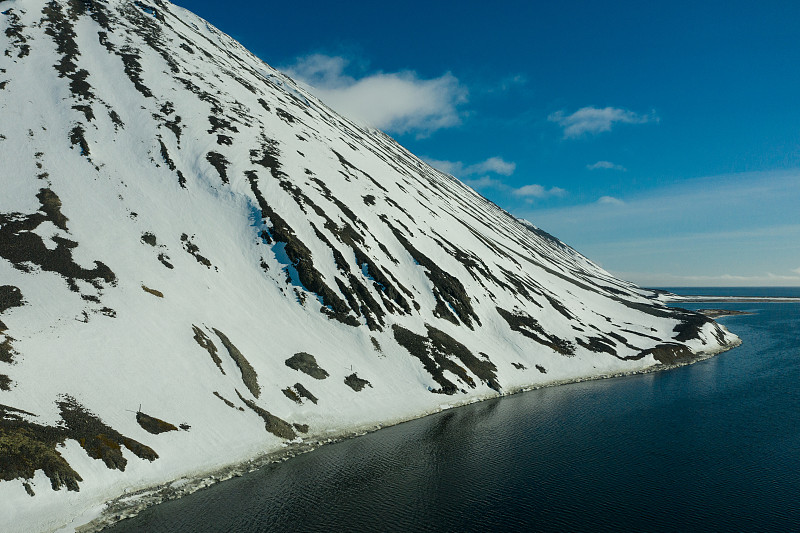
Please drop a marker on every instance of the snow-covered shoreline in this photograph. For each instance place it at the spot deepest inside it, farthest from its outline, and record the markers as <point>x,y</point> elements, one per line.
<point>186,230</point>
<point>131,504</point>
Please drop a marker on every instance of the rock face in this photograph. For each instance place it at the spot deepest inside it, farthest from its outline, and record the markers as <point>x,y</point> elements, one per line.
<point>161,185</point>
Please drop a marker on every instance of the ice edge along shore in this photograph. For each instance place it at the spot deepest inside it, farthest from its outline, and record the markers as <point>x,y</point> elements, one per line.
<point>131,504</point>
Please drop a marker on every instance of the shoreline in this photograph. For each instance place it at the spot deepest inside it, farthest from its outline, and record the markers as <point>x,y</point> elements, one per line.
<point>719,313</point>
<point>131,504</point>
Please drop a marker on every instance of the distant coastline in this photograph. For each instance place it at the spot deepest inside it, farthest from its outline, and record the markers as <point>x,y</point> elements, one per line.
<point>713,295</point>
<point>718,313</point>
<point>672,295</point>
<point>676,298</point>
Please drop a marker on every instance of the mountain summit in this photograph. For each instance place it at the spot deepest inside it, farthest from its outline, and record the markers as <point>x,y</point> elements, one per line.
<point>201,262</point>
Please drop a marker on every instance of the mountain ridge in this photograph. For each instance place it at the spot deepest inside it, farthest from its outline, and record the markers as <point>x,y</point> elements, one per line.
<point>180,223</point>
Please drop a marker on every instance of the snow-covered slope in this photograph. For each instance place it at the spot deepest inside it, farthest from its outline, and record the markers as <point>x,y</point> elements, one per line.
<point>199,261</point>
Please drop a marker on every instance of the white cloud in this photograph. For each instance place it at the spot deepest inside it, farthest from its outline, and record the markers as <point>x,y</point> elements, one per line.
<point>610,200</point>
<point>797,270</point>
<point>591,120</point>
<point>399,102</point>
<point>537,191</point>
<point>606,165</point>
<point>494,165</point>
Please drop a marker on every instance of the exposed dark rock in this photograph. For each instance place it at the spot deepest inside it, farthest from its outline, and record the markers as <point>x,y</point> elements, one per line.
<point>448,291</point>
<point>692,323</point>
<point>297,252</point>
<point>249,376</point>
<point>175,127</point>
<point>99,440</point>
<point>153,425</point>
<point>219,162</point>
<point>51,206</point>
<point>435,352</point>
<point>541,369</point>
<point>164,259</point>
<point>86,110</point>
<point>273,424</point>
<point>209,346</point>
<point>227,402</point>
<point>305,393</point>
<point>519,366</point>
<point>7,352</point>
<point>154,292</point>
<point>558,306</point>
<point>15,36</point>
<point>376,344</point>
<point>194,251</point>
<point>356,383</point>
<point>149,238</point>
<point>10,296</point>
<point>306,363</point>
<point>597,345</point>
<point>133,69</point>
<point>292,395</point>
<point>221,124</point>
<point>76,137</point>
<point>26,447</point>
<point>20,245</point>
<point>165,155</point>
<point>528,326</point>
<point>669,353</point>
<point>284,115</point>
<point>60,28</point>
<point>645,335</point>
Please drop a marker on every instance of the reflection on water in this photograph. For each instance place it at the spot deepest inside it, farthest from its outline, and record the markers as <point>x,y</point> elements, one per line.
<point>715,445</point>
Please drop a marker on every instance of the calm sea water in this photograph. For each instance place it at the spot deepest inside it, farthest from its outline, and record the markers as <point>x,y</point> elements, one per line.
<point>711,446</point>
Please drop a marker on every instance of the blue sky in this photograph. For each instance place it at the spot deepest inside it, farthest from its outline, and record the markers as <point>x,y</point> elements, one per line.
<point>660,139</point>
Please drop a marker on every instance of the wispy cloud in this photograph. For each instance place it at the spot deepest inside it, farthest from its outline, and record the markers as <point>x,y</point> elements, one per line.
<point>606,165</point>
<point>744,225</point>
<point>610,200</point>
<point>537,191</point>
<point>399,102</point>
<point>494,165</point>
<point>482,179</point>
<point>593,120</point>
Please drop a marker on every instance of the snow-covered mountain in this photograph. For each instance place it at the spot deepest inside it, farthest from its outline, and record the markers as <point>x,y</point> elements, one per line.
<point>200,262</point>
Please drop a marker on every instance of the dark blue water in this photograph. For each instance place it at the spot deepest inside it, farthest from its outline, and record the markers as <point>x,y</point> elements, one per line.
<point>711,446</point>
